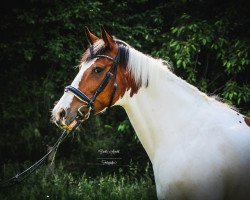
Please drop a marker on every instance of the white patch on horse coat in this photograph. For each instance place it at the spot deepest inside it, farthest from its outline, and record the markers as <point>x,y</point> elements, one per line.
<point>67,98</point>
<point>197,145</point>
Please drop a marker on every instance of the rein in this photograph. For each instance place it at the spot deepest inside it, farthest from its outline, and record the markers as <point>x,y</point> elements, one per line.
<point>90,101</point>
<point>18,178</point>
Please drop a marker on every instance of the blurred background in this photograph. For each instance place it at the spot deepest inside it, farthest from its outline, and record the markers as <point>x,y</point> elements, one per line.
<point>207,42</point>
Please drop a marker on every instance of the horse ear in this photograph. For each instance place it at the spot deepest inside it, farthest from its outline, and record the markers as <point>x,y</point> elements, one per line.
<point>90,36</point>
<point>107,38</point>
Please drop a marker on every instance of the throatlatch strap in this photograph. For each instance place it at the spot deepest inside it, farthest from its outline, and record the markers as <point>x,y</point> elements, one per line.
<point>116,61</point>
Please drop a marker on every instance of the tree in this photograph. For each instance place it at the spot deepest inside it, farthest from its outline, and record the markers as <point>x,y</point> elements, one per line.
<point>207,43</point>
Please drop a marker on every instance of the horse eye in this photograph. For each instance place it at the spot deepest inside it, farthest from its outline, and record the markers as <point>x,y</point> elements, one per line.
<point>97,70</point>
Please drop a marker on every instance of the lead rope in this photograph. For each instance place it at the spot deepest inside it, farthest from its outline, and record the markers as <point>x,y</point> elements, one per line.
<point>18,178</point>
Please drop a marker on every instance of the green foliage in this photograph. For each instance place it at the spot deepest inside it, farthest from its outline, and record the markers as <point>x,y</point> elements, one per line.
<point>63,185</point>
<point>203,51</point>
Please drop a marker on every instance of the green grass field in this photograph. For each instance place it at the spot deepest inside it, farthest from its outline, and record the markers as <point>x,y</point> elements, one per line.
<point>63,185</point>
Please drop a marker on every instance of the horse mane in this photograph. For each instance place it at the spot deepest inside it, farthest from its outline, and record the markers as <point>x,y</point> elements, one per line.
<point>145,69</point>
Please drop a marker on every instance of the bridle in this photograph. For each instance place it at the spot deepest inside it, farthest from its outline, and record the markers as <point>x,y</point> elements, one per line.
<point>90,101</point>
<point>18,178</point>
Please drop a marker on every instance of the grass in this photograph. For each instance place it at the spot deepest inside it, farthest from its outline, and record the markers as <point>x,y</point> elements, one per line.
<point>64,186</point>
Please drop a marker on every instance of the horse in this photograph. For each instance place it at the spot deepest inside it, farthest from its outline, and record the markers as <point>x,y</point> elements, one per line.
<point>199,147</point>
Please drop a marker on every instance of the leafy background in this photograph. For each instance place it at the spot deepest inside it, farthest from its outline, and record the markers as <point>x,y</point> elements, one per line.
<point>206,42</point>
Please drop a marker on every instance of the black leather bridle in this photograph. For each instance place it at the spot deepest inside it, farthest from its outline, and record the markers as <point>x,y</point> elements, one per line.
<point>90,101</point>
<point>18,178</point>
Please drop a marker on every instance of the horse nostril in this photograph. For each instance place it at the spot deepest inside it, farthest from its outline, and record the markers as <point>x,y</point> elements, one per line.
<point>62,113</point>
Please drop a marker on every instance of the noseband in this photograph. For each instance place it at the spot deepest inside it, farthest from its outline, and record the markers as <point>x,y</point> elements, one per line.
<point>90,101</point>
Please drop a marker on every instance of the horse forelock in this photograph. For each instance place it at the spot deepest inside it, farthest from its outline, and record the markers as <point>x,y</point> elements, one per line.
<point>98,48</point>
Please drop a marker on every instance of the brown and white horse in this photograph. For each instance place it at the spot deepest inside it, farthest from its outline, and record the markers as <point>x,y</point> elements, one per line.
<point>198,146</point>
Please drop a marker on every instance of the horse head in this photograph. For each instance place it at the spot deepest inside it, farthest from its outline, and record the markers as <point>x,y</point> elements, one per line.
<point>101,81</point>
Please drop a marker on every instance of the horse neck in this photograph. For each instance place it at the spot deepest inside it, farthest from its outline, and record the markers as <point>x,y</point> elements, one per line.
<point>162,110</point>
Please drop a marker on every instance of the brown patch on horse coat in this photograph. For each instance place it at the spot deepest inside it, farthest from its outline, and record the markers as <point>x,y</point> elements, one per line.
<point>125,82</point>
<point>124,79</point>
<point>247,120</point>
<point>90,82</point>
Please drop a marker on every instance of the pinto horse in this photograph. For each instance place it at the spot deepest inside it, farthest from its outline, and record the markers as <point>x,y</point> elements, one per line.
<point>199,147</point>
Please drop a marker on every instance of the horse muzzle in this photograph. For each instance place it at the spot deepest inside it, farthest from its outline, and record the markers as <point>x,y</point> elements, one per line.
<point>67,120</point>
